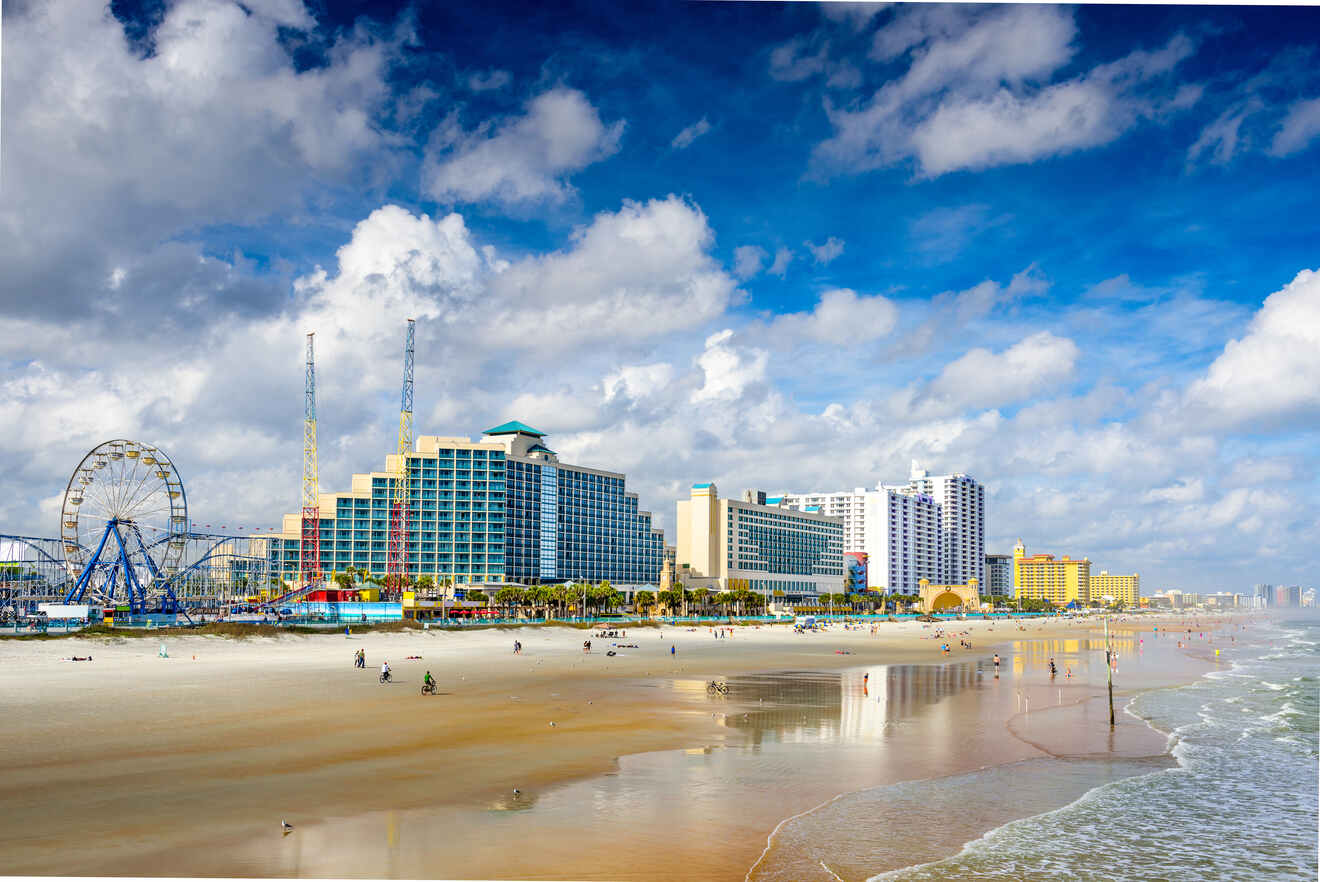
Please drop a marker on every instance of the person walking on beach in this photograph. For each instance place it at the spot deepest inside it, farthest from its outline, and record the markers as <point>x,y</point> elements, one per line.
<point>1053,670</point>
<point>672,650</point>
<point>996,666</point>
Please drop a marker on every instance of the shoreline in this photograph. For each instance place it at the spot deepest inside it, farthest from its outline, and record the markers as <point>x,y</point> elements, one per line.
<point>597,709</point>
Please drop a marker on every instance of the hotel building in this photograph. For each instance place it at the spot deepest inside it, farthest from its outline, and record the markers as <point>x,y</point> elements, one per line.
<point>503,509</point>
<point>962,525</point>
<point>897,528</point>
<point>1042,577</point>
<point>1124,589</point>
<point>999,575</point>
<point>783,554</point>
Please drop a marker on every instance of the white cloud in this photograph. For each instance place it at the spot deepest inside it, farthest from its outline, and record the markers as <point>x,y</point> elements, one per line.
<point>684,139</point>
<point>520,160</point>
<point>1271,374</point>
<point>826,251</point>
<point>728,369</point>
<point>984,379</point>
<point>1222,138</point>
<point>123,156</point>
<point>637,382</point>
<point>942,233</point>
<point>1300,127</point>
<point>976,93</point>
<point>799,59</point>
<point>747,260</point>
<point>841,317</point>
<point>779,266</point>
<point>489,80</point>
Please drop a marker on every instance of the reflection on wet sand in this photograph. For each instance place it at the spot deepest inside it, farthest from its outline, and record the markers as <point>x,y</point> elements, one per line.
<point>855,705</point>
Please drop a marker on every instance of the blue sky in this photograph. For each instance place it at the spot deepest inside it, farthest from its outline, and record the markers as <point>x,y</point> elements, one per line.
<point>1065,249</point>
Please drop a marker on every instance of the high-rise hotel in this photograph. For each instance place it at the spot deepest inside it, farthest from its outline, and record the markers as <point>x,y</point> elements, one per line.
<point>503,509</point>
<point>932,527</point>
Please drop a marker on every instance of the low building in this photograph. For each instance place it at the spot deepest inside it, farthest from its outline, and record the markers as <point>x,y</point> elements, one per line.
<point>787,556</point>
<point>1123,589</point>
<point>1043,577</point>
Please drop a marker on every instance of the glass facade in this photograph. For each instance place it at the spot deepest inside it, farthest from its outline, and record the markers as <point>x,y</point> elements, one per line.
<point>456,524</point>
<point>566,522</point>
<point>483,514</point>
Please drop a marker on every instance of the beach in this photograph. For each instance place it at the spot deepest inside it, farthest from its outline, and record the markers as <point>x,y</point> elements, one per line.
<point>624,766</point>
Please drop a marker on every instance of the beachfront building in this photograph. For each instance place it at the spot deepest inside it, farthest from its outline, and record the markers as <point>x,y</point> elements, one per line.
<point>787,556</point>
<point>1123,589</point>
<point>999,575</point>
<point>500,510</point>
<point>895,526</point>
<point>962,524</point>
<point>1043,577</point>
<point>847,505</point>
<point>569,522</point>
<point>456,492</point>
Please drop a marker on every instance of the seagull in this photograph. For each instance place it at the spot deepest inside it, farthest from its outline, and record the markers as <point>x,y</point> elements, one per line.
<point>286,827</point>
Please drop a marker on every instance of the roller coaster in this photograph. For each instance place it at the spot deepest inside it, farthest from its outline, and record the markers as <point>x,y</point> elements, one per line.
<point>126,542</point>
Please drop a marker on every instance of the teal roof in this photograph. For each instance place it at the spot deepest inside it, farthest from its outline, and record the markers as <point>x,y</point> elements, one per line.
<point>701,486</point>
<point>513,427</point>
<point>536,447</point>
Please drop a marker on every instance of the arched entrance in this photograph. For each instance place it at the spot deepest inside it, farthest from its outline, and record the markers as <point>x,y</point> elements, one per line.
<point>947,600</point>
<point>942,598</point>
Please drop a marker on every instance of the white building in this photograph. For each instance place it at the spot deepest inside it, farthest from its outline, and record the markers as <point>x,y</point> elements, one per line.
<point>897,527</point>
<point>999,575</point>
<point>962,501</point>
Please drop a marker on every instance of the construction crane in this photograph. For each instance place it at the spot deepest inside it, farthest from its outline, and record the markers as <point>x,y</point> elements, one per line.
<point>396,558</point>
<point>309,549</point>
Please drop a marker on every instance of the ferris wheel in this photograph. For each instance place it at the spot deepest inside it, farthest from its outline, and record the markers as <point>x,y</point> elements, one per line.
<point>124,525</point>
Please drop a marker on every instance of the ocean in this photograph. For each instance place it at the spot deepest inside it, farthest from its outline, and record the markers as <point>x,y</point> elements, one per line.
<point>1240,803</point>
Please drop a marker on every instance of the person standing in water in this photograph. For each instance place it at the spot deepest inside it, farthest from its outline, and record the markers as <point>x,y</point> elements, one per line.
<point>996,666</point>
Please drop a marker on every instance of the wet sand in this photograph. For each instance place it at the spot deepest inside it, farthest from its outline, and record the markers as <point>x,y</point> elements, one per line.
<point>185,766</point>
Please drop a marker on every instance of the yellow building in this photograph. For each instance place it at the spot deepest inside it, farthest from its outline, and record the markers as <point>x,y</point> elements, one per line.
<point>1043,577</point>
<point>1124,589</point>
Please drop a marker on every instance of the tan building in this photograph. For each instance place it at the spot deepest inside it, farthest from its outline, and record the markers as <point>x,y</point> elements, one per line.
<point>1124,589</point>
<point>788,556</point>
<point>1044,577</point>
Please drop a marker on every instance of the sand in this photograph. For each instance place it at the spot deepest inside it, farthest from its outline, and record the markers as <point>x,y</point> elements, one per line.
<point>133,764</point>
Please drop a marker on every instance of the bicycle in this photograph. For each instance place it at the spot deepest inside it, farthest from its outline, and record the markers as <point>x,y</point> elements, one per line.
<point>428,689</point>
<point>385,678</point>
<point>715,686</point>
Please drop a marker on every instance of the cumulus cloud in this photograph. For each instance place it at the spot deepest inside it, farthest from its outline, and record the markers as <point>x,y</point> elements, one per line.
<point>684,139</point>
<point>976,93</point>
<point>112,166</point>
<point>826,251</point>
<point>841,317</point>
<point>1271,374</point>
<point>984,379</point>
<point>520,160</point>
<point>637,382</point>
<point>949,312</point>
<point>729,369</point>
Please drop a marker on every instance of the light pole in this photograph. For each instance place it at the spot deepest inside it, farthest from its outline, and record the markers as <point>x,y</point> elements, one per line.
<point>1109,672</point>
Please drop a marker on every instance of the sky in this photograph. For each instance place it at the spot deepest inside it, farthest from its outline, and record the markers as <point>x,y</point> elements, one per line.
<point>1070,251</point>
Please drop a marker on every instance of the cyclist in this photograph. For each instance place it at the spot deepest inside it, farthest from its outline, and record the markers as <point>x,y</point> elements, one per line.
<point>384,671</point>
<point>428,681</point>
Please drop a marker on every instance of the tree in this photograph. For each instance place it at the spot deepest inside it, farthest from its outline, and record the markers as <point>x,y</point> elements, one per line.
<point>643,600</point>
<point>344,581</point>
<point>701,595</point>
<point>477,594</point>
<point>509,597</point>
<point>426,584</point>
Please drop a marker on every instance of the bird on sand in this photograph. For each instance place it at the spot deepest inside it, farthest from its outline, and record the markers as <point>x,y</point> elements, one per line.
<point>286,827</point>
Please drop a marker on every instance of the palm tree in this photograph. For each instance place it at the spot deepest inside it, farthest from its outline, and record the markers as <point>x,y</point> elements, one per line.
<point>642,601</point>
<point>701,595</point>
<point>509,596</point>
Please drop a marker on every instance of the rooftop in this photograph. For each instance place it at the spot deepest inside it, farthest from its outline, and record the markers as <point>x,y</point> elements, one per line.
<point>513,427</point>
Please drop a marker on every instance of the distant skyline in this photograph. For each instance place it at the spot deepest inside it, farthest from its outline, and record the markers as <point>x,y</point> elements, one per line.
<point>1070,251</point>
